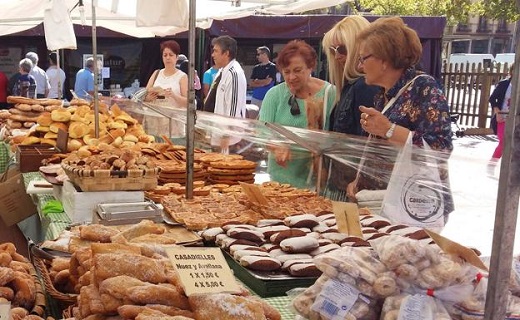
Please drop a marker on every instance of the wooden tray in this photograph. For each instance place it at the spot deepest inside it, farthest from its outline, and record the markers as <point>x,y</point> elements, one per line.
<point>111,180</point>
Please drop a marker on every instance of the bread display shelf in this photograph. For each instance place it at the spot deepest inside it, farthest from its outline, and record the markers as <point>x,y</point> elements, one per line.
<point>112,180</point>
<point>267,284</point>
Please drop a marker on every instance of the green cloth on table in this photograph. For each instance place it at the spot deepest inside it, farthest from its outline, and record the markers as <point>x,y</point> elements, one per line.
<point>52,206</point>
<point>5,156</point>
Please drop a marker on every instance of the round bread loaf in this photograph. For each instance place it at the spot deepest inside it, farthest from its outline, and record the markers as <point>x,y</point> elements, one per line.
<point>61,115</point>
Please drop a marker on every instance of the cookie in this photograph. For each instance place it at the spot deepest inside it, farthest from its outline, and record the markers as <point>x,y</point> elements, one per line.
<point>229,172</point>
<point>230,182</point>
<point>235,164</point>
<point>234,177</point>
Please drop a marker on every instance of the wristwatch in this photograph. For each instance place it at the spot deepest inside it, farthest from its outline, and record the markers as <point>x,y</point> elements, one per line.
<point>390,131</point>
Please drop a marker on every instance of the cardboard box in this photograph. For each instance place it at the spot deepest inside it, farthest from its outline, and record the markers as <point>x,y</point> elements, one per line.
<point>80,206</point>
<point>15,204</point>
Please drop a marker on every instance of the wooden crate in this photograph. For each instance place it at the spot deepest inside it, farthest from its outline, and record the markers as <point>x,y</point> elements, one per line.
<point>30,157</point>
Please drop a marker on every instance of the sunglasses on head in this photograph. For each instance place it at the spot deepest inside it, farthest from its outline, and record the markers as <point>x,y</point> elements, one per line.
<point>295,108</point>
<point>341,49</point>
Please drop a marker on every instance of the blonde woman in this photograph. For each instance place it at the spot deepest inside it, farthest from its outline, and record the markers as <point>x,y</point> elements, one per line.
<point>340,46</point>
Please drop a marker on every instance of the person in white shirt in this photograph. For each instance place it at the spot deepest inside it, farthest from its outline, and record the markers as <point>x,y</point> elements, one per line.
<point>227,95</point>
<point>42,81</point>
<point>56,77</point>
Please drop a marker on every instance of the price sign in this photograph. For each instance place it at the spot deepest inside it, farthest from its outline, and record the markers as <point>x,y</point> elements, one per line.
<point>5,309</point>
<point>202,270</point>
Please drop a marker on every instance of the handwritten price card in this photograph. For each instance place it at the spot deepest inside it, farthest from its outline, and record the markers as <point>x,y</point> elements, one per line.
<point>202,270</point>
<point>5,309</point>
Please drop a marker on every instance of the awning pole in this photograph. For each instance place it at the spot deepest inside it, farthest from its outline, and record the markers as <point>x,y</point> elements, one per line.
<point>191,109</point>
<point>96,72</point>
<point>507,205</point>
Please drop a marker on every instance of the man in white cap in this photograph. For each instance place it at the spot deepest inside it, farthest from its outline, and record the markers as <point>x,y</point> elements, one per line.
<point>42,81</point>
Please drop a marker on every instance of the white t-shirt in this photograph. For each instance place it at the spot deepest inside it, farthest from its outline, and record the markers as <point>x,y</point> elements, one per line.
<point>172,82</point>
<point>55,76</point>
<point>42,81</point>
<point>507,99</point>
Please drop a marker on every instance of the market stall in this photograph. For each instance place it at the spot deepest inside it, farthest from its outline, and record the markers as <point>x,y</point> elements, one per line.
<point>280,204</point>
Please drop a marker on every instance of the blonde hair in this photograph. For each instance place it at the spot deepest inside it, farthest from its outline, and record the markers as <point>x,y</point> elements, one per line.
<point>392,41</point>
<point>344,32</point>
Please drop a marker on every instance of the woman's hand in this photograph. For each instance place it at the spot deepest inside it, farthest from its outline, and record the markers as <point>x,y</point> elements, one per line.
<point>151,96</point>
<point>352,189</point>
<point>374,122</point>
<point>282,155</point>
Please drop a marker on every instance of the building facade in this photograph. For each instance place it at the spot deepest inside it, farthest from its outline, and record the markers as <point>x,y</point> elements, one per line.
<point>479,35</point>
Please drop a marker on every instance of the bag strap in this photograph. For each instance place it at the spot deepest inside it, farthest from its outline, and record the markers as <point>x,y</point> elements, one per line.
<point>388,105</point>
<point>408,84</point>
<point>156,74</point>
<point>325,104</point>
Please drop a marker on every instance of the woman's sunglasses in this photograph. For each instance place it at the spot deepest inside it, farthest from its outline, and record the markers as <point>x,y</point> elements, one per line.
<point>295,108</point>
<point>341,49</point>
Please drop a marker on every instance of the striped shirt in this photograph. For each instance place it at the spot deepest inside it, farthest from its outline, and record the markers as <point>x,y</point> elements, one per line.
<point>231,92</point>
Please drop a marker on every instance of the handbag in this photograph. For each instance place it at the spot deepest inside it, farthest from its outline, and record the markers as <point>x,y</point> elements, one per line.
<point>415,193</point>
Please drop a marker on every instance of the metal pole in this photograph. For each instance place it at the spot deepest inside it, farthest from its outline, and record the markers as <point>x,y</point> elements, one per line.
<point>96,71</point>
<point>507,206</point>
<point>191,109</point>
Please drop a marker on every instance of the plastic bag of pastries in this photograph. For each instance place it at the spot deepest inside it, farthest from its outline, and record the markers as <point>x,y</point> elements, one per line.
<point>359,267</point>
<point>417,307</point>
<point>332,299</point>
<point>421,265</point>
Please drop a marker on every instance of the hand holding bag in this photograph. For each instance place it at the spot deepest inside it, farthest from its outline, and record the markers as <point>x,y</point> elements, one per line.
<point>415,193</point>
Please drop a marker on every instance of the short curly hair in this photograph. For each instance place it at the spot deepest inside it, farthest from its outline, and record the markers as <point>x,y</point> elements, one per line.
<point>391,40</point>
<point>297,48</point>
<point>172,45</point>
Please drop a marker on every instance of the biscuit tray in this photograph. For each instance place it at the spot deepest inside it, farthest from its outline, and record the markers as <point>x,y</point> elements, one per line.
<point>267,284</point>
<point>112,180</point>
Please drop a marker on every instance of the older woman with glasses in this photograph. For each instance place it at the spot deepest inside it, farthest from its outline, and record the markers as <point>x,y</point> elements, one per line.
<point>410,102</point>
<point>301,101</point>
<point>351,92</point>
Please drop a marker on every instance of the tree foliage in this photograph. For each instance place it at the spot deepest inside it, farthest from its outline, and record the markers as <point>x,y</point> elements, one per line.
<point>456,11</point>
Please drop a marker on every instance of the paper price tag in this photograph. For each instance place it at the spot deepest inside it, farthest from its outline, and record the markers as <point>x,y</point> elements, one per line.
<point>202,270</point>
<point>5,309</point>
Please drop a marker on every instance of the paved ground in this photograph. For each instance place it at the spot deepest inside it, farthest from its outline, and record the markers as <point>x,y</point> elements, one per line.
<point>475,194</point>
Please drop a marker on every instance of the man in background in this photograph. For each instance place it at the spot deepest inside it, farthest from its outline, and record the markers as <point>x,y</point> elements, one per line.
<point>42,81</point>
<point>56,77</point>
<point>263,75</point>
<point>227,95</point>
<point>84,84</point>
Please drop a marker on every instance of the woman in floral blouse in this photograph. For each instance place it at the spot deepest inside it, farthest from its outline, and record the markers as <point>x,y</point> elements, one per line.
<point>409,101</point>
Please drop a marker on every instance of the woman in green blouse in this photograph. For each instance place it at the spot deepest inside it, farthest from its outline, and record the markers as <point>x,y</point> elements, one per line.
<point>301,101</point>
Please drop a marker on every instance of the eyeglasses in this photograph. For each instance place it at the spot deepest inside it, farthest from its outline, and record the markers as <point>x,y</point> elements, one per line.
<point>341,49</point>
<point>362,59</point>
<point>295,108</point>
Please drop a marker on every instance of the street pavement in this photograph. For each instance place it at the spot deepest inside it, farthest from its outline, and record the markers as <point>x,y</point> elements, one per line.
<point>475,193</point>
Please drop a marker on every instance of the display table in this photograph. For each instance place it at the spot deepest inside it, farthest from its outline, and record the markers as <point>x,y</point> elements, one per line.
<point>52,224</point>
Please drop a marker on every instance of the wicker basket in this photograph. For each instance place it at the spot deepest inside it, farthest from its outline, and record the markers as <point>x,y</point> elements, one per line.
<point>64,299</point>
<point>39,304</point>
<point>111,180</point>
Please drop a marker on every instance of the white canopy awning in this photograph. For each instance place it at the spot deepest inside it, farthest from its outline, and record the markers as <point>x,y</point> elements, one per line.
<point>120,16</point>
